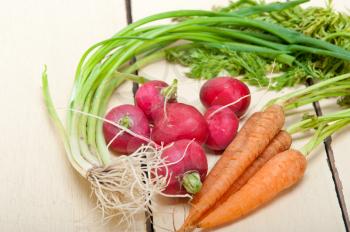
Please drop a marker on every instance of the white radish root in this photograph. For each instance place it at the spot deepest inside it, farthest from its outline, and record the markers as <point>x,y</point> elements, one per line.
<point>125,188</point>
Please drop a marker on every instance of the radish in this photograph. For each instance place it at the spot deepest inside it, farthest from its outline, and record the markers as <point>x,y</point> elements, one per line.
<point>222,125</point>
<point>226,90</point>
<point>187,167</point>
<point>153,94</point>
<point>130,117</point>
<point>180,121</point>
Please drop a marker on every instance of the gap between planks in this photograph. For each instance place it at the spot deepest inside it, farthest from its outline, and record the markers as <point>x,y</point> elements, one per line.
<point>135,86</point>
<point>129,20</point>
<point>333,168</point>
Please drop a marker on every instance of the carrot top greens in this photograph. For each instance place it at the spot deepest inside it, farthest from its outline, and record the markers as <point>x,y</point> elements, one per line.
<point>322,23</point>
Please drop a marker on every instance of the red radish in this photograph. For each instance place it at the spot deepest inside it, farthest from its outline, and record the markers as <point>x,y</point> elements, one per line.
<point>132,118</point>
<point>152,95</point>
<point>180,121</point>
<point>187,168</point>
<point>225,90</point>
<point>222,125</point>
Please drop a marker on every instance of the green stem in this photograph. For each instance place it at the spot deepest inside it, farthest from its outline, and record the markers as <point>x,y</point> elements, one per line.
<point>314,122</point>
<point>125,122</point>
<point>144,61</point>
<point>322,133</point>
<point>241,47</point>
<point>313,97</point>
<point>294,96</point>
<point>103,102</point>
<point>236,34</point>
<point>77,161</point>
<point>170,92</point>
<point>317,51</point>
<point>275,6</point>
<point>191,181</point>
<point>337,34</point>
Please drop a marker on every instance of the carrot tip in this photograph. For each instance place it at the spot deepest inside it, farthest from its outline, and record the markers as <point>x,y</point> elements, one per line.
<point>185,228</point>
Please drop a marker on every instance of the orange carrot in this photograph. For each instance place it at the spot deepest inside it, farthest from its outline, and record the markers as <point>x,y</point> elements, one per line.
<point>239,141</point>
<point>280,143</point>
<point>250,142</point>
<point>279,173</point>
<point>219,165</point>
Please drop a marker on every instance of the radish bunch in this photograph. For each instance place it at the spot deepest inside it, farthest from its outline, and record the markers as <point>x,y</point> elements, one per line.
<point>181,128</point>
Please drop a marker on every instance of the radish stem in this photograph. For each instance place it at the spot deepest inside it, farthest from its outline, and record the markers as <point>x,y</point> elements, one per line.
<point>192,182</point>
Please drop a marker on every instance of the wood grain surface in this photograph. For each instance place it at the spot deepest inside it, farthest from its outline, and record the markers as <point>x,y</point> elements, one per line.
<point>41,192</point>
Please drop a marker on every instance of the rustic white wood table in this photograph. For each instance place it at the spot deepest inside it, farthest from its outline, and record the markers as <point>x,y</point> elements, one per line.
<point>39,189</point>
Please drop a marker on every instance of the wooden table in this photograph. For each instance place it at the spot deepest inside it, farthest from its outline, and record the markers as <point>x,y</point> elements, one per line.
<point>41,192</point>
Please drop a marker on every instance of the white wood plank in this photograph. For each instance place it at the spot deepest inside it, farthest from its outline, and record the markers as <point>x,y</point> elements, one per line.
<point>310,206</point>
<point>40,191</point>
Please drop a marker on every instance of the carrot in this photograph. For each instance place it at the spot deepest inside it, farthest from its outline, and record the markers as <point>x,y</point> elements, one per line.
<point>238,142</point>
<point>280,143</point>
<point>250,142</point>
<point>281,172</point>
<point>215,171</point>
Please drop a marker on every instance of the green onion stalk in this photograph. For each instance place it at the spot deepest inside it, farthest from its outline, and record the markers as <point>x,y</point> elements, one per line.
<point>119,184</point>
